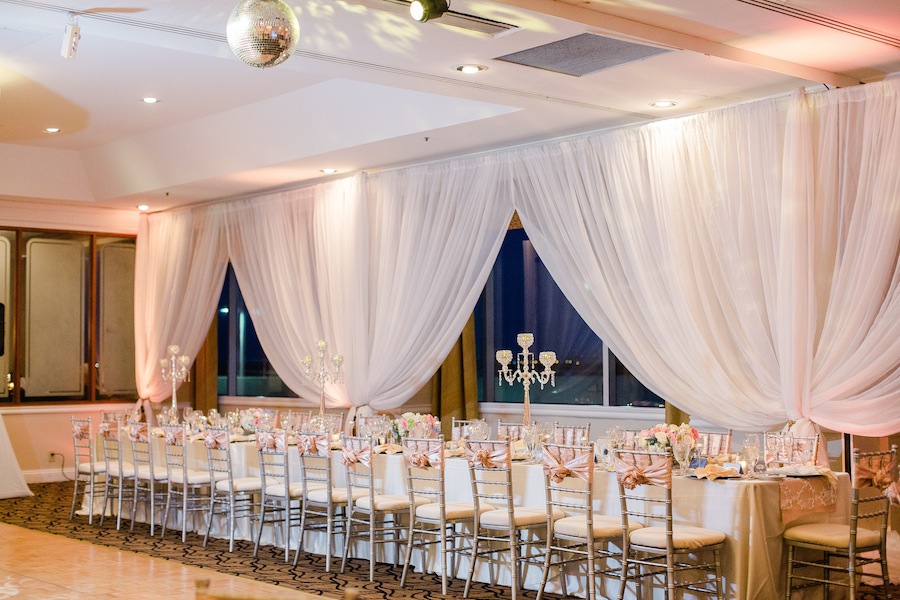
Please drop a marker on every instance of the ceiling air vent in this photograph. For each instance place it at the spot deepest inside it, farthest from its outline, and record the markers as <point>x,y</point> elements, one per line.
<point>582,55</point>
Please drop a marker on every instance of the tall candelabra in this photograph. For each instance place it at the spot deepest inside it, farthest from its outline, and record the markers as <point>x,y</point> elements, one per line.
<point>322,374</point>
<point>525,372</point>
<point>175,369</point>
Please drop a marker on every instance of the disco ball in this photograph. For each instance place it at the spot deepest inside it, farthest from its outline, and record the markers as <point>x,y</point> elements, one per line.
<point>262,33</point>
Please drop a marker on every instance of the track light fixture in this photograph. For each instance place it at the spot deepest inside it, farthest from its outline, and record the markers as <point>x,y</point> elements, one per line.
<point>425,10</point>
<point>71,38</point>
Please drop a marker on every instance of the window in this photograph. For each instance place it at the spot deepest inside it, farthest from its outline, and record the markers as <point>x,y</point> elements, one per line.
<point>520,296</point>
<point>244,369</point>
<point>67,316</point>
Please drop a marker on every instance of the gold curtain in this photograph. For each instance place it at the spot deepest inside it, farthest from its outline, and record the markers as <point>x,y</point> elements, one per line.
<point>676,415</point>
<point>454,388</point>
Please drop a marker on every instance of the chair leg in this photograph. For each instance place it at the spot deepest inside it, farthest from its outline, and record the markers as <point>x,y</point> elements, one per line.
<point>472,564</point>
<point>444,565</point>
<point>513,560</point>
<point>790,573</point>
<point>623,575</point>
<point>165,519</point>
<point>852,565</point>
<point>545,572</point>
<point>262,520</point>
<point>75,494</point>
<point>329,536</point>
<point>885,578</point>
<point>720,592</point>
<point>407,555</point>
<point>302,533</point>
<point>589,585</point>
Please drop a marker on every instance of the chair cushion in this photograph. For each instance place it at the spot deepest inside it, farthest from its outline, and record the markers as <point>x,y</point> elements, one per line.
<point>389,503</point>
<point>832,535</point>
<point>241,484</point>
<point>159,473</point>
<point>338,495</point>
<point>85,467</point>
<point>684,537</point>
<point>454,511</point>
<point>277,489</point>
<point>521,516</point>
<point>194,477</point>
<point>604,527</point>
<point>126,471</point>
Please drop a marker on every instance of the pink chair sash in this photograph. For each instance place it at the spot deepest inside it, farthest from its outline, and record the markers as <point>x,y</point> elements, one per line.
<point>423,457</point>
<point>81,431</point>
<point>270,440</point>
<point>483,457</point>
<point>580,466</point>
<point>138,432</point>
<point>892,493</point>
<point>351,457</point>
<point>656,473</point>
<point>109,430</point>
<point>313,445</point>
<point>216,439</point>
<point>865,476</point>
<point>174,436</point>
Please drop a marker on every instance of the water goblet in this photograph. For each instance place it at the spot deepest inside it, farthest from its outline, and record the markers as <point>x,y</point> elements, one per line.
<point>680,451</point>
<point>750,450</point>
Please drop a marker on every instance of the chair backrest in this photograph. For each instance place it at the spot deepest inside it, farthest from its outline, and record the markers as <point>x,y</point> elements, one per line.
<point>571,434</point>
<point>714,443</point>
<point>804,449</point>
<point>459,429</point>
<point>175,435</point>
<point>877,470</point>
<point>218,453</point>
<point>301,420</point>
<point>109,432</point>
<point>569,479</point>
<point>631,439</point>
<point>274,459</point>
<point>635,469</point>
<point>314,448</point>
<point>357,457</point>
<point>490,472</point>
<point>83,439</point>
<point>141,448</point>
<point>785,448</point>
<point>510,431</point>
<point>424,462</point>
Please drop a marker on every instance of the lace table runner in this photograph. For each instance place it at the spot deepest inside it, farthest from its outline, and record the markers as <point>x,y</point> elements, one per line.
<point>803,495</point>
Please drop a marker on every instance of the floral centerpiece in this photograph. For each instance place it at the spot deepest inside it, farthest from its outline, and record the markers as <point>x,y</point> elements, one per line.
<point>416,424</point>
<point>252,419</point>
<point>664,435</point>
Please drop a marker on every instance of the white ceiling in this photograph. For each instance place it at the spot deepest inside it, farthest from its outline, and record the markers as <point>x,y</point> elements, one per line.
<point>369,89</point>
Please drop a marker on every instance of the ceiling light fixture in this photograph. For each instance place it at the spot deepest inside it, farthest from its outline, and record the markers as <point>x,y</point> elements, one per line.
<point>71,38</point>
<point>329,171</point>
<point>142,207</point>
<point>425,10</point>
<point>471,69</point>
<point>52,130</point>
<point>262,33</point>
<point>149,100</point>
<point>663,104</point>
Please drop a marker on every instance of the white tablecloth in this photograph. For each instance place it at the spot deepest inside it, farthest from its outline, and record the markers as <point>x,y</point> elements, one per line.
<point>12,482</point>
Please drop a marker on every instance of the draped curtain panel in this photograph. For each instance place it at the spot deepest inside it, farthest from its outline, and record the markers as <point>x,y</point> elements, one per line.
<point>386,268</point>
<point>742,263</point>
<point>180,264</point>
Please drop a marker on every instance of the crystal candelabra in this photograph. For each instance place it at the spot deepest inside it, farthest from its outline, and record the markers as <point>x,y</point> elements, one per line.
<point>525,372</point>
<point>322,373</point>
<point>175,369</point>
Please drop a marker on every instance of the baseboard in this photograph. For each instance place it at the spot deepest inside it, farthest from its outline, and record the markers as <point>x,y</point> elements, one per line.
<point>48,475</point>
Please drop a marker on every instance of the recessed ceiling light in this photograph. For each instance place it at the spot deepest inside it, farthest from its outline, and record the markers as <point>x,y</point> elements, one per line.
<point>52,130</point>
<point>149,100</point>
<point>471,69</point>
<point>329,171</point>
<point>142,207</point>
<point>663,104</point>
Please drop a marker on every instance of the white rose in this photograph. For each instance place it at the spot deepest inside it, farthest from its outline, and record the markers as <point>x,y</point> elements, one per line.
<point>661,438</point>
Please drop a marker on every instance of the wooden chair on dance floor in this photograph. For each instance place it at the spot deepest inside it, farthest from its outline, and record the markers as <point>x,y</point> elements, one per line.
<point>583,535</point>
<point>436,522</point>
<point>372,517</point>
<point>490,473</point>
<point>119,483</point>
<point>187,488</point>
<point>230,495</point>
<point>90,473</point>
<point>324,505</point>
<point>851,542</point>
<point>663,550</point>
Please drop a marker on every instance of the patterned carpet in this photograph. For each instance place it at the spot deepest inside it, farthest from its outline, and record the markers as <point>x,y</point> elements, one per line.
<point>48,511</point>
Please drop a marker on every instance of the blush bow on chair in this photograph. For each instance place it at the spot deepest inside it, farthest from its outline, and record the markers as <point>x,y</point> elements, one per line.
<point>858,546</point>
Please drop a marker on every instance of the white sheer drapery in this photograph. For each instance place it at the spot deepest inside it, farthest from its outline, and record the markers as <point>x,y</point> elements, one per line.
<point>386,268</point>
<point>743,262</point>
<point>180,265</point>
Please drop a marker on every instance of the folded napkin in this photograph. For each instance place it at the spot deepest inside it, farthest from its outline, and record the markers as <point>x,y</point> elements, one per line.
<point>388,449</point>
<point>714,471</point>
<point>806,471</point>
<point>454,451</point>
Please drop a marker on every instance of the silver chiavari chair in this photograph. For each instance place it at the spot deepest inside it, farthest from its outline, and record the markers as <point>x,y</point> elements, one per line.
<point>187,488</point>
<point>90,472</point>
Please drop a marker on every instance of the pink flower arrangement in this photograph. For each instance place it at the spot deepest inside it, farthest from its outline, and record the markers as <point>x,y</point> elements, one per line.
<point>664,435</point>
<point>417,424</point>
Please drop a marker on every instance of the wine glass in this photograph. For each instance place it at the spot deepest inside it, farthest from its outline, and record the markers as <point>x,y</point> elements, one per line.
<point>750,450</point>
<point>681,450</point>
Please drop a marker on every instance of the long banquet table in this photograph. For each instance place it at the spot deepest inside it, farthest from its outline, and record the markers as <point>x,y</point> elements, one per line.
<point>749,511</point>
